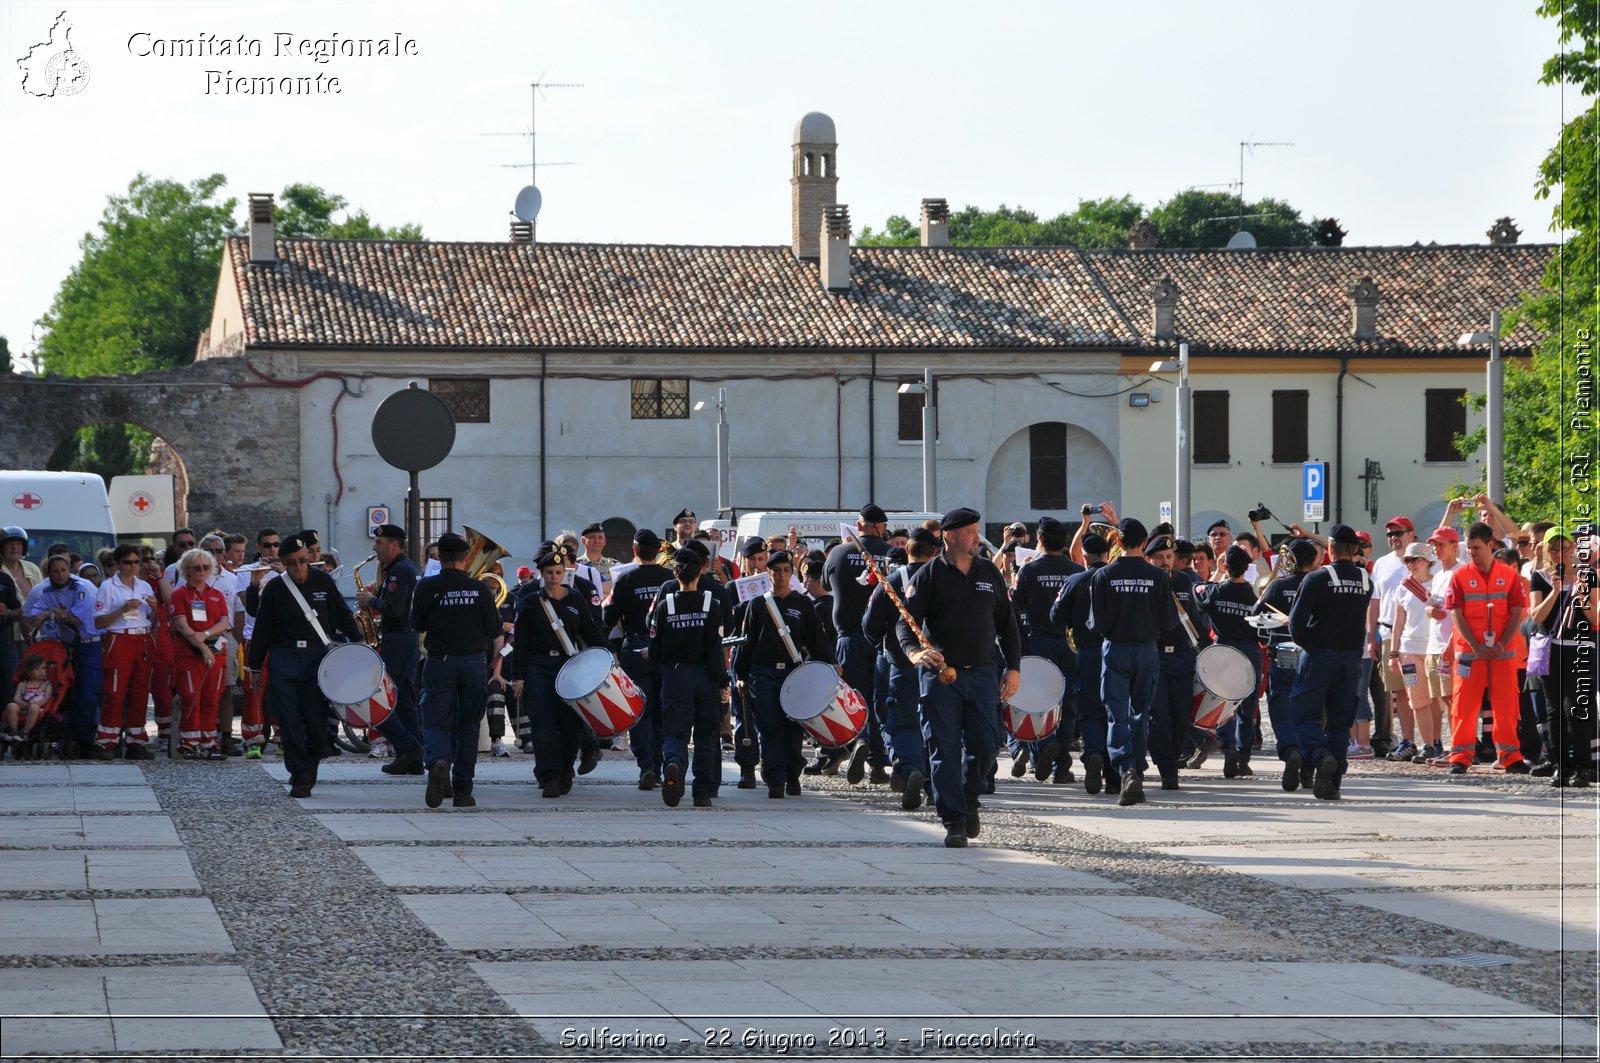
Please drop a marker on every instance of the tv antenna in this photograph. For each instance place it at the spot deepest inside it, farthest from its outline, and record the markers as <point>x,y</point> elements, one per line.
<point>1251,146</point>
<point>530,199</point>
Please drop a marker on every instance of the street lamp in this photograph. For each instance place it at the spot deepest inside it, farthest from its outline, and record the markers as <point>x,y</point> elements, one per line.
<point>1180,491</point>
<point>930,435</point>
<point>724,491</point>
<point>1496,403</point>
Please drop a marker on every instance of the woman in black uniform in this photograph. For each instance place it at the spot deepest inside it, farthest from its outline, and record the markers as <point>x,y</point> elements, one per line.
<point>686,645</point>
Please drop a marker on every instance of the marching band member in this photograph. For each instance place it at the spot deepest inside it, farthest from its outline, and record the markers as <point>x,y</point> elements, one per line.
<point>1071,611</point>
<point>1038,584</point>
<point>686,644</point>
<point>457,614</point>
<point>1227,604</point>
<point>764,663</point>
<point>1279,598</point>
<point>388,599</point>
<point>1328,623</point>
<point>124,609</point>
<point>632,597</point>
<point>753,555</point>
<point>843,574</point>
<point>960,602</point>
<point>1130,604</point>
<point>909,777</point>
<point>1169,713</point>
<point>538,653</point>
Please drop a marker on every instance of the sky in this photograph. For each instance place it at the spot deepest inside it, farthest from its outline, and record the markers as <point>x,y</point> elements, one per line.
<point>1409,119</point>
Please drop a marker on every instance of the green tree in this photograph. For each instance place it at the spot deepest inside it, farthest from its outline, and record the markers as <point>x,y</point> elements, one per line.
<point>1199,218</point>
<point>107,449</point>
<point>1551,439</point>
<point>305,210</point>
<point>5,355</point>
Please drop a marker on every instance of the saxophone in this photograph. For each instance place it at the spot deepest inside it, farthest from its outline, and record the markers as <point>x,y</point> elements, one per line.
<point>369,626</point>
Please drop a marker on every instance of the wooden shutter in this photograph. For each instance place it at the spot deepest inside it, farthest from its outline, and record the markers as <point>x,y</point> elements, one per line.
<point>1290,434</point>
<point>1446,418</point>
<point>1210,428</point>
<point>1047,465</point>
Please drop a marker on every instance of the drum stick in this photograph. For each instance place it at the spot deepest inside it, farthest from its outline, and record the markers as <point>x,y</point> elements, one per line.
<point>1275,609</point>
<point>947,674</point>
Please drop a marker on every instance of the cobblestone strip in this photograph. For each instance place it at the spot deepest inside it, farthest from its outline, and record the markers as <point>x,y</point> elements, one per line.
<point>318,933</point>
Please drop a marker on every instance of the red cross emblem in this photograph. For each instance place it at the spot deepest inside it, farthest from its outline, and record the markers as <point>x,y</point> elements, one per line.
<point>27,500</point>
<point>140,502</point>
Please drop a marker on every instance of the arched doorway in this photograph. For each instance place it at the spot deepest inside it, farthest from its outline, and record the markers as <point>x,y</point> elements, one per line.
<point>1049,468</point>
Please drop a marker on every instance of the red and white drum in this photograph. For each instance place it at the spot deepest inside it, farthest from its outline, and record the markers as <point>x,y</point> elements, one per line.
<point>596,686</point>
<point>1223,677</point>
<point>1034,711</point>
<point>352,678</point>
<point>830,710</point>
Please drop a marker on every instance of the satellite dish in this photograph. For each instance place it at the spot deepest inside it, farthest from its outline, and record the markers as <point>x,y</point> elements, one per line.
<point>528,202</point>
<point>1238,242</point>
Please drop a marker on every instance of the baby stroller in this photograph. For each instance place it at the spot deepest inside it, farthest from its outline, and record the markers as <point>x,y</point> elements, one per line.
<point>51,727</point>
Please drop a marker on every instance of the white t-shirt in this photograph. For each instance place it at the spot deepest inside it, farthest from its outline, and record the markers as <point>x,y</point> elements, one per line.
<point>1413,636</point>
<point>1441,631</point>
<point>1388,572</point>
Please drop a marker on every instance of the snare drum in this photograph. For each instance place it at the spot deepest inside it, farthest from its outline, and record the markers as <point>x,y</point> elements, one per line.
<point>1223,677</point>
<point>827,707</point>
<point>601,692</point>
<point>1287,655</point>
<point>1034,711</point>
<point>352,678</point>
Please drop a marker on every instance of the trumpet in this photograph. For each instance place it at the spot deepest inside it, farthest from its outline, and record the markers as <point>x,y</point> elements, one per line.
<point>368,626</point>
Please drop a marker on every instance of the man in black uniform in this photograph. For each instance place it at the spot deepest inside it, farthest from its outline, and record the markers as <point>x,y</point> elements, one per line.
<point>285,637</point>
<point>633,595</point>
<point>959,600</point>
<point>1071,611</point>
<point>765,661</point>
<point>1179,646</point>
<point>910,753</point>
<point>686,644</point>
<point>1282,663</point>
<point>1227,604</point>
<point>843,575</point>
<point>1130,604</point>
<point>1329,623</point>
<point>458,615</point>
<point>1039,584</point>
<point>389,601</point>
<point>746,752</point>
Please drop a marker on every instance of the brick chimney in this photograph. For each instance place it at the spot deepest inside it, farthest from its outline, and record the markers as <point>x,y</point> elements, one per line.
<point>1143,236</point>
<point>814,183</point>
<point>522,232</point>
<point>1364,296</point>
<point>263,229</point>
<point>1503,232</point>
<point>1166,306</point>
<point>935,223</point>
<point>834,241</point>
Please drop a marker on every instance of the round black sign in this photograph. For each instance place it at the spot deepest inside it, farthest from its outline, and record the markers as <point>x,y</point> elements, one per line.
<point>413,429</point>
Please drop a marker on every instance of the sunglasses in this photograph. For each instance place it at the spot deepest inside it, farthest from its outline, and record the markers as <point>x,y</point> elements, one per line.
<point>135,562</point>
<point>1524,542</point>
<point>185,546</point>
<point>1393,534</point>
<point>273,545</point>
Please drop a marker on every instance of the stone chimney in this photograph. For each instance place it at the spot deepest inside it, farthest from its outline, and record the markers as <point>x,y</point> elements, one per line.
<point>1143,236</point>
<point>263,229</point>
<point>522,232</point>
<point>834,242</point>
<point>1166,304</point>
<point>1365,298</point>
<point>935,223</point>
<point>814,185</point>
<point>1503,232</point>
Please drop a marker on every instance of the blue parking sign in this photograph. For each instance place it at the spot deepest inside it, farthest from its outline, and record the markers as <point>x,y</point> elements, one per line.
<point>1314,490</point>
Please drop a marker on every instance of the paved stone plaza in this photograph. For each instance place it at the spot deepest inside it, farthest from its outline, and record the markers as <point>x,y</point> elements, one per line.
<point>196,909</point>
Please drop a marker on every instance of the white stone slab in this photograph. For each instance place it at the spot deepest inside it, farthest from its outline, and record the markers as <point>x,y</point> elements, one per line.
<point>99,869</point>
<point>75,797</point>
<point>27,831</point>
<point>1404,862</point>
<point>88,773</point>
<point>1314,1003</point>
<point>729,868</point>
<point>109,1009</point>
<point>1536,919</point>
<point>556,824</point>
<point>80,927</point>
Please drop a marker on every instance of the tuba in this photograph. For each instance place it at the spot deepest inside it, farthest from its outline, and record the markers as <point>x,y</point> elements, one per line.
<point>482,552</point>
<point>1110,534</point>
<point>368,626</point>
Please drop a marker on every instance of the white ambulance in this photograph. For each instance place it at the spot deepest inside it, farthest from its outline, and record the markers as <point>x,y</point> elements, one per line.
<point>52,507</point>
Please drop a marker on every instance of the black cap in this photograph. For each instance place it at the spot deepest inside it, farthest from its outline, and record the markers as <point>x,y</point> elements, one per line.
<point>684,514</point>
<point>1132,531</point>
<point>924,536</point>
<point>552,554</point>
<point>389,531</point>
<point>309,537</point>
<point>1183,548</point>
<point>290,544</point>
<point>1304,551</point>
<point>780,557</point>
<point>1095,544</point>
<point>872,513</point>
<point>1344,535</point>
<point>686,555</point>
<point>897,555</point>
<point>593,529</point>
<point>1237,558</point>
<point>1050,522</point>
<point>648,542</point>
<point>449,543</point>
<point>753,545</point>
<point>699,547</point>
<point>1214,525</point>
<point>959,517</point>
<point>1159,543</point>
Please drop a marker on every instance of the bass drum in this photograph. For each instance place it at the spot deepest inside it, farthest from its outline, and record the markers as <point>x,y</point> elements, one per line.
<point>1223,677</point>
<point>825,706</point>
<point>1034,711</point>
<point>601,692</point>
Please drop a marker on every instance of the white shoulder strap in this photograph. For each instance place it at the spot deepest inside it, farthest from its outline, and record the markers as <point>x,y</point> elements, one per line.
<point>672,604</point>
<point>316,625</point>
<point>707,606</point>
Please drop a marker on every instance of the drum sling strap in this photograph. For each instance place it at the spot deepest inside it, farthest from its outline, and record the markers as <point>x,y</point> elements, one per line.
<point>672,603</point>
<point>311,615</point>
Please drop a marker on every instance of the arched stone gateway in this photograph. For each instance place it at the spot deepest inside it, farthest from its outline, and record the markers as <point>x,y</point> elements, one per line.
<point>238,432</point>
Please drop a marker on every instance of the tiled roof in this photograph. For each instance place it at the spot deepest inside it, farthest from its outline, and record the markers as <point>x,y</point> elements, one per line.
<point>374,293</point>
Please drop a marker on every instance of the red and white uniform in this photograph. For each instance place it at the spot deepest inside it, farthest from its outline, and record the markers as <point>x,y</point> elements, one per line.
<point>199,686</point>
<point>129,651</point>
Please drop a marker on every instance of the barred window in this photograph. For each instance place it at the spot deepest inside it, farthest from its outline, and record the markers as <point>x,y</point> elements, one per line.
<point>1047,465</point>
<point>467,397</point>
<point>655,400</point>
<point>435,518</point>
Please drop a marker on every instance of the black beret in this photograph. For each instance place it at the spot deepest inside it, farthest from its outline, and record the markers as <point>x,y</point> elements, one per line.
<point>594,529</point>
<point>699,547</point>
<point>1132,531</point>
<point>648,542</point>
<point>1236,558</point>
<point>1050,522</point>
<point>959,517</point>
<point>684,514</point>
<point>753,545</point>
<point>686,555</point>
<point>780,557</point>
<point>449,543</point>
<point>897,556</point>
<point>390,531</point>
<point>1304,551</point>
<point>924,536</point>
<point>1183,548</point>
<point>290,544</point>
<point>1159,543</point>
<point>552,554</point>
<point>873,513</point>
<point>1344,535</point>
<point>900,533</point>
<point>1095,544</point>
<point>309,537</point>
<point>1218,524</point>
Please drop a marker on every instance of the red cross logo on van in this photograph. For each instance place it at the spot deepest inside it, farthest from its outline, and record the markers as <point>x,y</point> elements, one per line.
<point>27,500</point>
<point>140,502</point>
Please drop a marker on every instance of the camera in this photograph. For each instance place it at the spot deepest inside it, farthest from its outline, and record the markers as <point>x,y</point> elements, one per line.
<point>1094,511</point>
<point>1260,513</point>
